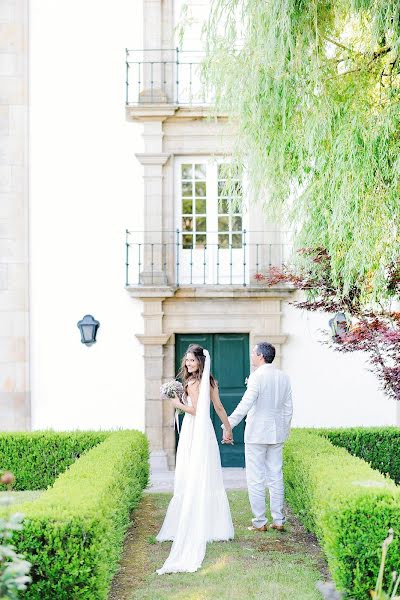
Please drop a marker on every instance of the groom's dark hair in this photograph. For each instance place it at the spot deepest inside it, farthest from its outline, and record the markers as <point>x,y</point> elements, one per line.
<point>267,350</point>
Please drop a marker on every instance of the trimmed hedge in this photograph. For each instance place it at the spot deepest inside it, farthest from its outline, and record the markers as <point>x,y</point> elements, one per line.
<point>378,446</point>
<point>347,504</point>
<point>38,458</point>
<point>73,534</point>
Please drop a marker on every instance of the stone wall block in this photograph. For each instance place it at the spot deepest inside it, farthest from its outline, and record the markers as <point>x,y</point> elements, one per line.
<point>154,435</point>
<point>13,349</point>
<point>14,411</point>
<point>153,413</point>
<point>12,37</point>
<point>13,300</point>
<point>153,389</point>
<point>3,275</point>
<point>13,90</point>
<point>4,120</point>
<point>153,368</point>
<point>12,152</point>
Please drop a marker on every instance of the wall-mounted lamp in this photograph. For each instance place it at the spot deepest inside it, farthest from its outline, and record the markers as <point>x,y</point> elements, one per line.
<point>340,325</point>
<point>88,327</point>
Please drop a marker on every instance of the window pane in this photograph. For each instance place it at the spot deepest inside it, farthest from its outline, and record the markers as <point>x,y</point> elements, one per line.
<point>187,223</point>
<point>200,171</point>
<point>200,188</point>
<point>223,241</point>
<point>187,207</point>
<point>237,188</point>
<point>201,224</point>
<point>236,240</point>
<point>224,171</point>
<point>223,206</point>
<point>187,188</point>
<point>223,188</point>
<point>187,241</point>
<point>200,241</point>
<point>223,223</point>
<point>186,171</point>
<point>200,206</point>
<point>236,223</point>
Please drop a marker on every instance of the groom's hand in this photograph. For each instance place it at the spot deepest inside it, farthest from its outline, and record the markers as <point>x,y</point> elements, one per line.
<point>227,437</point>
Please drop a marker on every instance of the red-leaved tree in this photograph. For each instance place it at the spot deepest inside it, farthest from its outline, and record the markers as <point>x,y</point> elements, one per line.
<point>375,332</point>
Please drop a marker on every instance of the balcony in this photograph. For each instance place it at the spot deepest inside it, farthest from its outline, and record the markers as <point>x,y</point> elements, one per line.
<point>165,259</point>
<point>164,76</point>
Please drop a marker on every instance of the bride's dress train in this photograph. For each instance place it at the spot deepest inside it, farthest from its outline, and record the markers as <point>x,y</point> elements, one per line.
<point>199,510</point>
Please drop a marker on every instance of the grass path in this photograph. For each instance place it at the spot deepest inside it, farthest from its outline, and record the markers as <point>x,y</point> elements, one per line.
<point>268,566</point>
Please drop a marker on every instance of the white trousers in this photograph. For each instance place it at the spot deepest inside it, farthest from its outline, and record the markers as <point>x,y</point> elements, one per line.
<point>264,470</point>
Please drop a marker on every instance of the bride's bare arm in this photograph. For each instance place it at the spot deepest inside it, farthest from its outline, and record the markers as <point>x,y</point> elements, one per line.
<point>219,409</point>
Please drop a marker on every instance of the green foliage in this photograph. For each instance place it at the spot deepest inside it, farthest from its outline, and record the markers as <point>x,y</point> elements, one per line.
<point>378,446</point>
<point>13,568</point>
<point>73,534</point>
<point>314,88</point>
<point>37,458</point>
<point>348,505</point>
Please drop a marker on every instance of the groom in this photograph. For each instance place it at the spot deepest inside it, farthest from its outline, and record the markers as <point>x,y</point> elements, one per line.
<point>267,403</point>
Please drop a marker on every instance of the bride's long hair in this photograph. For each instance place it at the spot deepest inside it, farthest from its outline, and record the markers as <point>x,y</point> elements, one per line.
<point>184,374</point>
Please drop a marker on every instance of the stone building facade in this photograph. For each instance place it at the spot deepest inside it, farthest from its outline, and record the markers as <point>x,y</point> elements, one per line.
<point>14,238</point>
<point>191,277</point>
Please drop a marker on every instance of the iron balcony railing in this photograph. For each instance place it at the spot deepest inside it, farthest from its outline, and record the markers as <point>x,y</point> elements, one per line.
<point>158,260</point>
<point>164,76</point>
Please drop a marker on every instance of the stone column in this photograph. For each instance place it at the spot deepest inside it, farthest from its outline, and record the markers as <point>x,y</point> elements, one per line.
<point>154,73</point>
<point>153,341</point>
<point>14,276</point>
<point>153,270</point>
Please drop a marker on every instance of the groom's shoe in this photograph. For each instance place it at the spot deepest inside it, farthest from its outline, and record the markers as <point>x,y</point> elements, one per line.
<point>263,528</point>
<point>277,527</point>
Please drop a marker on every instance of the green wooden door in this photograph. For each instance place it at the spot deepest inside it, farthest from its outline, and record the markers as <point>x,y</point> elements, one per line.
<point>230,366</point>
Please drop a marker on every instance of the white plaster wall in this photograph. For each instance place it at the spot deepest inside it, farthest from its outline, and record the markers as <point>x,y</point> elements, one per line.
<point>329,388</point>
<point>86,188</point>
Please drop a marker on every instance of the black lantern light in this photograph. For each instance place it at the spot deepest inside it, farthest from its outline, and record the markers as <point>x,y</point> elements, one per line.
<point>88,327</point>
<point>340,325</point>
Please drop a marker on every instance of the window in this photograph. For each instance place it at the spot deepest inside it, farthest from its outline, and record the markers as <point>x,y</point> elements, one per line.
<point>230,221</point>
<point>193,205</point>
<point>212,246</point>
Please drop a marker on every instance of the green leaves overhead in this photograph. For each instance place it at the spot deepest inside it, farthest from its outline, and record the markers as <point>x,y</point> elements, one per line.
<point>315,88</point>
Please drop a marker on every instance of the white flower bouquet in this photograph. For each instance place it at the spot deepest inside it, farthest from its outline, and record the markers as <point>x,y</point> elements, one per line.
<point>170,389</point>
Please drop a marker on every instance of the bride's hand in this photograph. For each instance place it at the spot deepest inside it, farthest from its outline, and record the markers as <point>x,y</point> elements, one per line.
<point>228,436</point>
<point>176,402</point>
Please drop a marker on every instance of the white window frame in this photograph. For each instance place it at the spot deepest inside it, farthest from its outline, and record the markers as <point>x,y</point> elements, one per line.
<point>190,275</point>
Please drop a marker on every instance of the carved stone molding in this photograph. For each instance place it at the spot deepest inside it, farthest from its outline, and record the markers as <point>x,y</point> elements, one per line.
<point>153,340</point>
<point>152,159</point>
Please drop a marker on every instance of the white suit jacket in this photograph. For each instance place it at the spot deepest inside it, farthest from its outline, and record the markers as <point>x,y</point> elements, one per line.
<point>267,403</point>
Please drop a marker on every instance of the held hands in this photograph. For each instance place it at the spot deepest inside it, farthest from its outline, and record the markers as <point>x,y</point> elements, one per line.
<point>227,436</point>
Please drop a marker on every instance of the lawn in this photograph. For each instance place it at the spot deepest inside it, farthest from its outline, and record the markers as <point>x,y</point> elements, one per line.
<point>271,565</point>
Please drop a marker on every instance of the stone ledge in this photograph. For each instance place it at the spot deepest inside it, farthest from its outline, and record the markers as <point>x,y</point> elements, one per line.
<point>209,291</point>
<point>228,291</point>
<point>160,111</point>
<point>150,291</point>
<point>152,111</point>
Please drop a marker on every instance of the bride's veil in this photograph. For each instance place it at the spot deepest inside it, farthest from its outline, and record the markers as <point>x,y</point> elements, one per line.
<point>189,546</point>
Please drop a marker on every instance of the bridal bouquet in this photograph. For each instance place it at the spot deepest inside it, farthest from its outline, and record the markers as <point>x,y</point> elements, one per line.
<point>170,389</point>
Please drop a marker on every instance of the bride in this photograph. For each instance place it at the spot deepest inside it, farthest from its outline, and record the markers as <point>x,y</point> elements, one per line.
<point>199,510</point>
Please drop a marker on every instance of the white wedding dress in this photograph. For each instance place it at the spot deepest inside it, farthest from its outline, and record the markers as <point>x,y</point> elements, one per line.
<point>199,510</point>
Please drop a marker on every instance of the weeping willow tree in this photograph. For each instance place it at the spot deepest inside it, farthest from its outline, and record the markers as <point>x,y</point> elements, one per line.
<point>314,88</point>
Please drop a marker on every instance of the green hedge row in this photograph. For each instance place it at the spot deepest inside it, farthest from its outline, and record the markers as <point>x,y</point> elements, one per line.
<point>378,446</point>
<point>73,534</point>
<point>38,458</point>
<point>347,504</point>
